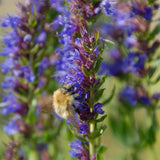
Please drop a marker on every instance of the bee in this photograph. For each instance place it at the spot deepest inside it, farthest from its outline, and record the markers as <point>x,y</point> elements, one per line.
<point>62,103</point>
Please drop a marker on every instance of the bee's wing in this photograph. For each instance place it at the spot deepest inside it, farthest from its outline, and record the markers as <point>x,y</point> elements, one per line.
<point>46,105</point>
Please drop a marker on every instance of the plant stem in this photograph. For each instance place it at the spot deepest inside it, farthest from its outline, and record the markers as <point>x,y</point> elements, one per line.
<point>92,126</point>
<point>91,143</point>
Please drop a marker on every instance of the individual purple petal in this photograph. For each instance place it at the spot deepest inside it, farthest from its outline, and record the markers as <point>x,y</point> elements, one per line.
<point>82,108</point>
<point>8,65</point>
<point>83,128</point>
<point>98,108</point>
<point>11,128</point>
<point>12,105</point>
<point>42,37</point>
<point>43,65</point>
<point>130,95</point>
<point>27,38</point>
<point>148,13</point>
<point>10,82</point>
<point>156,96</point>
<point>108,6</point>
<point>78,150</point>
<point>28,74</point>
<point>145,100</point>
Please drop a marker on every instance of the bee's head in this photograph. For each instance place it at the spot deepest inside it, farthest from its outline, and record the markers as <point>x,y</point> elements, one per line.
<point>78,92</point>
<point>72,89</point>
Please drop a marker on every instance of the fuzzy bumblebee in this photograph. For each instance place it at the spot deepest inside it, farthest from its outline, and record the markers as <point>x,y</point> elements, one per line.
<point>62,102</point>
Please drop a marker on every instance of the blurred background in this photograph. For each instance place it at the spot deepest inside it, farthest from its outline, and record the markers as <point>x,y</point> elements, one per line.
<point>115,149</point>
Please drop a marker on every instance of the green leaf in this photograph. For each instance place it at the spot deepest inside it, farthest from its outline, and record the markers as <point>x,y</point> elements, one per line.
<point>81,138</point>
<point>101,82</point>
<point>101,48</point>
<point>109,45</point>
<point>99,94</point>
<point>95,1</point>
<point>100,131</point>
<point>99,157</point>
<point>32,22</point>
<point>151,2</point>
<point>155,81</point>
<point>86,48</point>
<point>31,116</point>
<point>23,60</point>
<point>101,119</point>
<point>86,72</point>
<point>101,149</point>
<point>35,49</point>
<point>97,35</point>
<point>98,64</point>
<point>155,31</point>
<point>110,97</point>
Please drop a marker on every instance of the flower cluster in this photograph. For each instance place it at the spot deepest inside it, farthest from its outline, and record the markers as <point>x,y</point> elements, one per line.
<point>130,61</point>
<point>29,64</point>
<point>79,60</point>
<point>129,21</point>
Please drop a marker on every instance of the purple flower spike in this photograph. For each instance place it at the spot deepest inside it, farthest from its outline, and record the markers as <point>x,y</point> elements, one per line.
<point>98,108</point>
<point>28,74</point>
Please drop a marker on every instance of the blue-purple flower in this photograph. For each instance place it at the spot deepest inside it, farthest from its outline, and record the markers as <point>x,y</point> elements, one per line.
<point>78,150</point>
<point>130,95</point>
<point>28,74</point>
<point>12,127</point>
<point>98,108</point>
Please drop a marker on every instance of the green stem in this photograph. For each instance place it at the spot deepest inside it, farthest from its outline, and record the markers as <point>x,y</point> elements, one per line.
<point>91,143</point>
<point>92,125</point>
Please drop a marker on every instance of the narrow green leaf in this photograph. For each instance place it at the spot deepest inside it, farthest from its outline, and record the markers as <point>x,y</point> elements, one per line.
<point>101,82</point>
<point>98,64</point>
<point>97,35</point>
<point>86,72</point>
<point>32,22</point>
<point>23,60</point>
<point>153,33</point>
<point>100,131</point>
<point>101,149</point>
<point>35,49</point>
<point>99,157</point>
<point>95,1</point>
<point>86,48</point>
<point>101,119</point>
<point>151,2</point>
<point>99,94</point>
<point>155,81</point>
<point>80,138</point>
<point>110,97</point>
